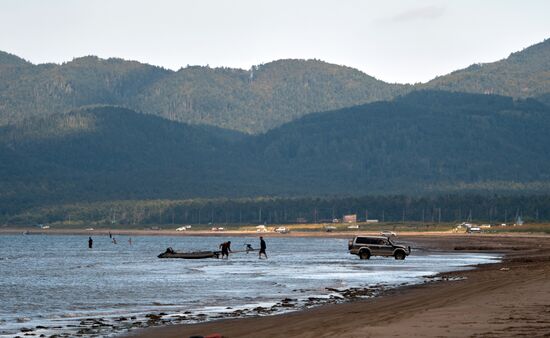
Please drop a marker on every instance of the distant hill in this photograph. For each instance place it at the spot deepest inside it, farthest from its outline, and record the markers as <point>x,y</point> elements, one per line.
<point>27,90</point>
<point>424,142</point>
<point>252,100</point>
<point>522,74</point>
<point>109,153</point>
<point>7,59</point>
<point>263,97</point>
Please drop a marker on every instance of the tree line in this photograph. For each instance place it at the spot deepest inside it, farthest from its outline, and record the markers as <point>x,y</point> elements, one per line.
<point>266,210</point>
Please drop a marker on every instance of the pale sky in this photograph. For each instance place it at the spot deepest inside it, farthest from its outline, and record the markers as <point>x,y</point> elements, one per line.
<point>396,41</point>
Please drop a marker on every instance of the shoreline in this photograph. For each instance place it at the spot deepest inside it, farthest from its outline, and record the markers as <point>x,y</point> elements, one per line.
<point>463,303</point>
<point>240,233</point>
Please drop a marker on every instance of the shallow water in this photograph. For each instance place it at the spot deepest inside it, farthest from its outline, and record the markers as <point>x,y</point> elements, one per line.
<point>57,280</point>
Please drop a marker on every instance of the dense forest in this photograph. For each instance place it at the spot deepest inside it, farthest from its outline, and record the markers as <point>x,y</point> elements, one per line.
<point>423,142</point>
<point>522,74</point>
<point>95,131</point>
<point>392,209</point>
<point>427,142</point>
<point>251,101</point>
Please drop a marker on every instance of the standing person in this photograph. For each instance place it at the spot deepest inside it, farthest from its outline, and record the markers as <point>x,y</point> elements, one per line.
<point>90,242</point>
<point>110,235</point>
<point>262,248</point>
<point>130,240</point>
<point>226,249</point>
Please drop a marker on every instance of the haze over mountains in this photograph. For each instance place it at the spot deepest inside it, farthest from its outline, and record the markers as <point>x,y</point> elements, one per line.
<point>66,136</point>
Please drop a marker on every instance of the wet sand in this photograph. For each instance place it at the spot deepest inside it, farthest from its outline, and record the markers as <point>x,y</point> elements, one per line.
<point>507,299</point>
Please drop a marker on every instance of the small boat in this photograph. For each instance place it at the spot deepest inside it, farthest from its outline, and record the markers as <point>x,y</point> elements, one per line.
<point>170,253</point>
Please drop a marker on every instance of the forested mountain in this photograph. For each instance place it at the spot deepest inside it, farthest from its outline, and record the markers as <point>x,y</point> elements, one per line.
<point>27,90</point>
<point>251,101</point>
<point>109,153</point>
<point>262,97</point>
<point>522,74</point>
<point>426,141</point>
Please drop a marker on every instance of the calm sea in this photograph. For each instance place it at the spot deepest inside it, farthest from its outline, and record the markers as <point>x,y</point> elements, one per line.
<point>56,281</point>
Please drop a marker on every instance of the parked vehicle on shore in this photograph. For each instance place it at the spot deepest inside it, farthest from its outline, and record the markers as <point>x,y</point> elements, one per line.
<point>282,230</point>
<point>367,246</point>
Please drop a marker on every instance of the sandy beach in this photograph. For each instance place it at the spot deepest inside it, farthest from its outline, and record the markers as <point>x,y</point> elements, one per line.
<point>507,299</point>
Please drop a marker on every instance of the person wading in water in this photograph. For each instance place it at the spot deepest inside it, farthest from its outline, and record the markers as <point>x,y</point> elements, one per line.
<point>226,248</point>
<point>90,242</point>
<point>262,248</point>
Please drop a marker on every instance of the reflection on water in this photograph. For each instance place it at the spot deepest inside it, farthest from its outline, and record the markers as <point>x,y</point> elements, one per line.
<point>47,279</point>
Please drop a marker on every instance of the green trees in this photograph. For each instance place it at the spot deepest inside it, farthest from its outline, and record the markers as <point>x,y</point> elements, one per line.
<point>424,143</point>
<point>250,101</point>
<point>392,208</point>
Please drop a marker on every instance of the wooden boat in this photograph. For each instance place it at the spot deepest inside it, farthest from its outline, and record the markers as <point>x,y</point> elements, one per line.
<point>170,253</point>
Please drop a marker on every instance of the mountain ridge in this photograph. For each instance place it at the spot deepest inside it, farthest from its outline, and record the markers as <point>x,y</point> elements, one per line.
<point>422,143</point>
<point>525,73</point>
<point>251,101</point>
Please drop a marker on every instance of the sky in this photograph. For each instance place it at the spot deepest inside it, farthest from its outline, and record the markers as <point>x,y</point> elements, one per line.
<point>405,41</point>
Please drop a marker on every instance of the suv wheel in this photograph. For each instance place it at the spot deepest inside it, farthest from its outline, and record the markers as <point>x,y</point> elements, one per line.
<point>364,254</point>
<point>399,255</point>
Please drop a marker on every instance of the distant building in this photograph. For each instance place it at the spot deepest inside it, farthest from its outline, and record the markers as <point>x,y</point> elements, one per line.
<point>350,218</point>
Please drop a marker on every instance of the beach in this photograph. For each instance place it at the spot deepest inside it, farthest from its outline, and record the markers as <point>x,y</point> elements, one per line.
<point>506,299</point>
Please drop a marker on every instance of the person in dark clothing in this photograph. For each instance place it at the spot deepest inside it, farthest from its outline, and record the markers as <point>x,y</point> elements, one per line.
<point>226,248</point>
<point>90,242</point>
<point>262,248</point>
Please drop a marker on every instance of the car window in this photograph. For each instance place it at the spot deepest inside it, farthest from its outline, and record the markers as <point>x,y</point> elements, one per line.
<point>372,241</point>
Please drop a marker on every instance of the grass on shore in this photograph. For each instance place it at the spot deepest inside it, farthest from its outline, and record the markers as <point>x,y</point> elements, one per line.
<point>315,227</point>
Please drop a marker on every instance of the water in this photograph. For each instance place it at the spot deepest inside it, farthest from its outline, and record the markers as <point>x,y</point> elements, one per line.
<point>58,281</point>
